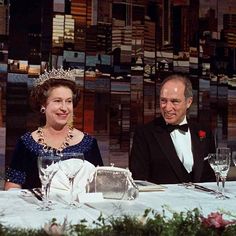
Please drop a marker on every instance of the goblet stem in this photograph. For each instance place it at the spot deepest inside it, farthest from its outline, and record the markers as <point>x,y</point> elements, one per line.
<point>223,180</point>
<point>45,192</point>
<point>71,180</point>
<point>46,184</point>
<point>46,197</point>
<point>217,174</point>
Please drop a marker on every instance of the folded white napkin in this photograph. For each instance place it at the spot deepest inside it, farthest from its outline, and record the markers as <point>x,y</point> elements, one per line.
<point>60,182</point>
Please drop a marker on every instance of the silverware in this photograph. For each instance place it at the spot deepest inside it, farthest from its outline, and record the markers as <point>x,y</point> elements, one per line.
<point>38,191</point>
<point>90,206</point>
<point>36,194</point>
<point>202,188</point>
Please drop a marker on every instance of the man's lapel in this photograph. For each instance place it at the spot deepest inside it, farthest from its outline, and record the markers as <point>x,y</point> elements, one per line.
<point>197,153</point>
<point>163,138</point>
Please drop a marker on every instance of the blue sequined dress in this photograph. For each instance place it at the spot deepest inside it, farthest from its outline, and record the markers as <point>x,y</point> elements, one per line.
<point>23,169</point>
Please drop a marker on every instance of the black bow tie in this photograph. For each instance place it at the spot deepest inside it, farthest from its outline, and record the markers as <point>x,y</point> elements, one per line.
<point>183,127</point>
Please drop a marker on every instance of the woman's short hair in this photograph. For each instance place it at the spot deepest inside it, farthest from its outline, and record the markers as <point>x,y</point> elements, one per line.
<point>40,93</point>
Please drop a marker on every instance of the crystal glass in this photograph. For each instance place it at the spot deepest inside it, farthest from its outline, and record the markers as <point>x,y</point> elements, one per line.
<point>234,157</point>
<point>70,164</point>
<point>212,159</point>
<point>47,166</point>
<point>223,157</point>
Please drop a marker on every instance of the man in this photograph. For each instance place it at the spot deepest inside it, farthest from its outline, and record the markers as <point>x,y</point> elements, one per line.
<point>164,153</point>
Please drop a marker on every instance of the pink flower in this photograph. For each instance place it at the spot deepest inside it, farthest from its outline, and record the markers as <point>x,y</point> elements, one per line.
<point>202,134</point>
<point>215,220</point>
<point>55,229</point>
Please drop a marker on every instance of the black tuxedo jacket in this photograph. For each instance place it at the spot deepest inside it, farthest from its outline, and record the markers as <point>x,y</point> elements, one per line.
<point>153,156</point>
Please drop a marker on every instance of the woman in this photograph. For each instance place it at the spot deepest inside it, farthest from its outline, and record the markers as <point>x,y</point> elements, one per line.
<point>54,95</point>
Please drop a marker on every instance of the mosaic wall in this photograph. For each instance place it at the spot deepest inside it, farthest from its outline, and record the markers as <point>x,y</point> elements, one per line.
<point>122,50</point>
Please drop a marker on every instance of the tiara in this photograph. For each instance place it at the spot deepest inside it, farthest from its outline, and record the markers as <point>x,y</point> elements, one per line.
<point>56,74</point>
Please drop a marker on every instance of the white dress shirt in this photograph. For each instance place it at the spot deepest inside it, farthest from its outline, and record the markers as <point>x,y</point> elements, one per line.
<point>183,146</point>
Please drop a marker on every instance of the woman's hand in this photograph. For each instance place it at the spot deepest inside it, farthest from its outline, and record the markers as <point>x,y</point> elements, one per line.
<point>9,185</point>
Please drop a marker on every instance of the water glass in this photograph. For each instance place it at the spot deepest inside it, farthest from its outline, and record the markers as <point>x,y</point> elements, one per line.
<point>70,164</point>
<point>47,167</point>
<point>234,157</point>
<point>223,157</point>
<point>212,159</point>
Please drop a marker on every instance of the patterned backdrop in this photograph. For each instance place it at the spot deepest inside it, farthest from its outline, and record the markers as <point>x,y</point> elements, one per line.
<point>122,50</point>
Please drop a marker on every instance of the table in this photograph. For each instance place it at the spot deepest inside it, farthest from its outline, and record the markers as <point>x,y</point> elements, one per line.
<point>18,211</point>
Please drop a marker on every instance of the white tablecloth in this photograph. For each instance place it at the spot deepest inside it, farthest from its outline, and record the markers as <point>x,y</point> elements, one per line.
<point>19,211</point>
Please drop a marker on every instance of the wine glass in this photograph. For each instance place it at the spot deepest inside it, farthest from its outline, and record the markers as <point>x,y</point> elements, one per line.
<point>47,167</point>
<point>212,159</point>
<point>234,157</point>
<point>70,164</point>
<point>223,157</point>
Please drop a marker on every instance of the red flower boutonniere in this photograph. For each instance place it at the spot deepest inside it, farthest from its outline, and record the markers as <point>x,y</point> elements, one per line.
<point>202,134</point>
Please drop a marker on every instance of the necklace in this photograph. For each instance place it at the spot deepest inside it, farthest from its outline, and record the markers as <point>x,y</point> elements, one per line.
<point>47,148</point>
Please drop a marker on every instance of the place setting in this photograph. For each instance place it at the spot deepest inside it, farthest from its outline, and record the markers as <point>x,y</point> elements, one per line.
<point>220,163</point>
<point>57,173</point>
<point>63,177</point>
<point>70,182</point>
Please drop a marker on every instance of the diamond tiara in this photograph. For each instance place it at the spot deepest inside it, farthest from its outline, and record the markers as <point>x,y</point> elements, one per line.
<point>56,74</point>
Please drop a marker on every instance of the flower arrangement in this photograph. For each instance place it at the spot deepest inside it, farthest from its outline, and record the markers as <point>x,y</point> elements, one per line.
<point>202,134</point>
<point>190,223</point>
<point>56,229</point>
<point>215,220</point>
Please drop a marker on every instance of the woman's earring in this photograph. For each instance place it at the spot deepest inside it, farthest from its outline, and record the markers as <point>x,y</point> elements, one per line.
<point>70,123</point>
<point>42,110</point>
